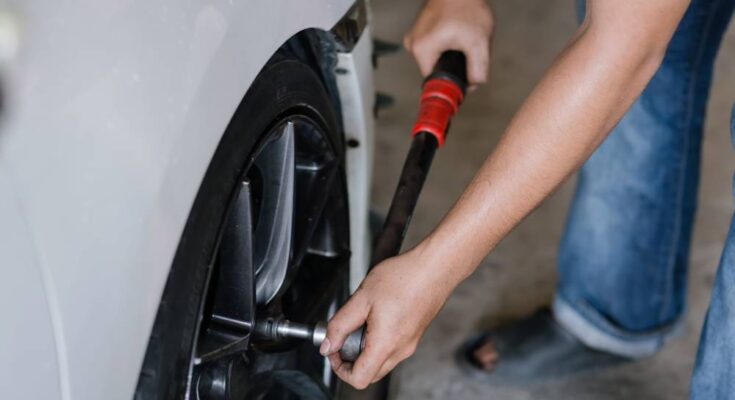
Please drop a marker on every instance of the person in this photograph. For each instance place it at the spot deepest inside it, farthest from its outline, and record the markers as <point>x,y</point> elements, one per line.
<point>625,101</point>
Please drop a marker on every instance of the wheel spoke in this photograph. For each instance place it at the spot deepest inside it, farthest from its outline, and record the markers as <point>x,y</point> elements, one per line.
<point>233,308</point>
<point>234,299</point>
<point>272,240</point>
<point>313,188</point>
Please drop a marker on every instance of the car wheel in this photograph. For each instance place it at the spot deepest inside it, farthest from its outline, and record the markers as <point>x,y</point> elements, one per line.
<point>268,235</point>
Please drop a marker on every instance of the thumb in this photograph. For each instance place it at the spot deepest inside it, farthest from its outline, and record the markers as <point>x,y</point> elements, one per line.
<point>347,320</point>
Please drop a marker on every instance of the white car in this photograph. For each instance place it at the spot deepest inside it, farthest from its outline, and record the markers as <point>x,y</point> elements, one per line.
<point>168,171</point>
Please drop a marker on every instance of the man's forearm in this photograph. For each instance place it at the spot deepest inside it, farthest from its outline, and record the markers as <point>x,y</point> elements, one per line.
<point>578,101</point>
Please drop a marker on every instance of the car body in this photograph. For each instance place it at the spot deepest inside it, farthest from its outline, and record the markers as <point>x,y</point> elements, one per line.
<point>111,113</point>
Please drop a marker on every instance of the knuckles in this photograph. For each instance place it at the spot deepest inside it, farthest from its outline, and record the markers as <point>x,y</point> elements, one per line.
<point>410,350</point>
<point>407,350</point>
<point>334,330</point>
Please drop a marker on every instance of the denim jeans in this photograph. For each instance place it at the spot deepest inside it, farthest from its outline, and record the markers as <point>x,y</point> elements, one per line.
<point>623,257</point>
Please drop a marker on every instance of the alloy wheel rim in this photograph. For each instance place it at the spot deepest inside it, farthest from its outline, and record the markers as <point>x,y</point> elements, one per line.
<point>290,193</point>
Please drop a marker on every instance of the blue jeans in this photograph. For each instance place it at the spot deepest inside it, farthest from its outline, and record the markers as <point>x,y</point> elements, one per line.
<point>623,257</point>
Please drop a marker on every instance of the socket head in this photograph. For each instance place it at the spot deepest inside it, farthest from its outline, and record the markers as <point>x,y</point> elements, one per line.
<point>319,333</point>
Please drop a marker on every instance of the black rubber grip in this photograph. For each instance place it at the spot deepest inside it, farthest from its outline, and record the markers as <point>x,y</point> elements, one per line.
<point>451,65</point>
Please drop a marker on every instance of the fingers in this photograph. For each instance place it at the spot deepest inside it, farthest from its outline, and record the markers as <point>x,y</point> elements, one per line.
<point>425,52</point>
<point>478,62</point>
<point>380,356</point>
<point>347,320</point>
<point>407,42</point>
<point>444,25</point>
<point>339,367</point>
<point>369,363</point>
<point>398,355</point>
<point>388,366</point>
<point>363,371</point>
<point>360,375</point>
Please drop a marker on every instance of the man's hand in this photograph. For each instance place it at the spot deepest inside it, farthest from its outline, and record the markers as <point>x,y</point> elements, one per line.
<point>398,299</point>
<point>464,25</point>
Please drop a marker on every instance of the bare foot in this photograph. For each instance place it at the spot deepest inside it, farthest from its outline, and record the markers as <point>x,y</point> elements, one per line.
<point>486,355</point>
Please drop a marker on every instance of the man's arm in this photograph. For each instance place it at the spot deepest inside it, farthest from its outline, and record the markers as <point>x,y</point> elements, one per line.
<point>581,97</point>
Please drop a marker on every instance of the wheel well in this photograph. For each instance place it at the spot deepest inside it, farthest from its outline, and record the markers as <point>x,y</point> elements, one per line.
<point>318,49</point>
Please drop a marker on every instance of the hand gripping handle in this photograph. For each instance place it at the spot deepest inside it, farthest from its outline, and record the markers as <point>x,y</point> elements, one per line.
<point>441,95</point>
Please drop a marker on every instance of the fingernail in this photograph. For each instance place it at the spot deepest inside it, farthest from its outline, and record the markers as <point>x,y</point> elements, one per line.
<point>324,348</point>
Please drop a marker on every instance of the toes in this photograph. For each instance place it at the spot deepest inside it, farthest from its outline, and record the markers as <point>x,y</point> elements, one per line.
<point>486,355</point>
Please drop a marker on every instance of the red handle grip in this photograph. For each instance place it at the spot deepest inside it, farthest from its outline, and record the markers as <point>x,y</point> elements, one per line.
<point>440,100</point>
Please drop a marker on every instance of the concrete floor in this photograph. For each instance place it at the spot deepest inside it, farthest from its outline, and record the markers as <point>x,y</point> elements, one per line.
<point>519,276</point>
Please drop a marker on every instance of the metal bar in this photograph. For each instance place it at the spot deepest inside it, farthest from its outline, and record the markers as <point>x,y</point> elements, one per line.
<point>413,176</point>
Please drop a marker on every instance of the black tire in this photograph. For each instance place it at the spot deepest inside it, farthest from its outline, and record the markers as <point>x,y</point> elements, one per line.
<point>284,85</point>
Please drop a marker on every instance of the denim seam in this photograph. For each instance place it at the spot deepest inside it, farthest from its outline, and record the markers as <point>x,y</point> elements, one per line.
<point>600,335</point>
<point>605,326</point>
<point>673,247</point>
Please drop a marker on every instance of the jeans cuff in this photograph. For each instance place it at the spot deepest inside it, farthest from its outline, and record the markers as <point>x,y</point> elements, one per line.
<point>610,339</point>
